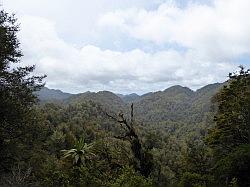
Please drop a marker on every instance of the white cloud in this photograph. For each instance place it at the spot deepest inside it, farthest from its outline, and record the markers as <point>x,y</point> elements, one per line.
<point>75,20</point>
<point>75,69</point>
<point>217,33</point>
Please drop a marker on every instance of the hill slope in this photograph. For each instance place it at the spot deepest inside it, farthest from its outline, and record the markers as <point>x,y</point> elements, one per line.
<point>108,100</point>
<point>130,98</point>
<point>176,104</point>
<point>46,94</point>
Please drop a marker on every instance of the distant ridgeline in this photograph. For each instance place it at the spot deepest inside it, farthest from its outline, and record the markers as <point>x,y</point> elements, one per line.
<point>46,94</point>
<point>177,103</point>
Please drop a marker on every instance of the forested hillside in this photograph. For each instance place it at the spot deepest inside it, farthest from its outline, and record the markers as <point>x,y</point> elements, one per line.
<point>175,137</point>
<point>177,103</point>
<point>47,95</point>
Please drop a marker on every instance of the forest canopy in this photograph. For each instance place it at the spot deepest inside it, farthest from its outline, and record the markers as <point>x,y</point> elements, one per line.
<point>172,138</point>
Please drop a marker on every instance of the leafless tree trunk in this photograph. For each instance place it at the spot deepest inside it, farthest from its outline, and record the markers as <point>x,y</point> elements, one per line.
<point>144,159</point>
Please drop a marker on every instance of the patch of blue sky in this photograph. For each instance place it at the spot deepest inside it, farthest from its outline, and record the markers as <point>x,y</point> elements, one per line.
<point>184,3</point>
<point>244,60</point>
<point>123,43</point>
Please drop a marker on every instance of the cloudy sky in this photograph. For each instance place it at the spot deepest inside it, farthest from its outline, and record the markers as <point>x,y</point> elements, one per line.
<point>133,45</point>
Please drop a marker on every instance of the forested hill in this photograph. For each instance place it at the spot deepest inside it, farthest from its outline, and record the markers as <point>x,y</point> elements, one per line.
<point>176,103</point>
<point>129,98</point>
<point>46,94</point>
<point>176,137</point>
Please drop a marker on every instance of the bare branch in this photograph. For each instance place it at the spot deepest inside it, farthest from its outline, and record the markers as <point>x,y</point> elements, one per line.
<point>112,117</point>
<point>124,137</point>
<point>132,114</point>
<point>122,119</point>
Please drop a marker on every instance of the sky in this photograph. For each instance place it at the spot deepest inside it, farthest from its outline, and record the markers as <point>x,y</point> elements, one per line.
<point>128,46</point>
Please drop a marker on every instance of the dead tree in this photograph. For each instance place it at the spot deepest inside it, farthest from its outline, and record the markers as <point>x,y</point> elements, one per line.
<point>143,158</point>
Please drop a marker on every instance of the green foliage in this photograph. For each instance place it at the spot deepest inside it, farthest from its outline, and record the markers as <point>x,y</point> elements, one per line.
<point>193,179</point>
<point>230,137</point>
<point>166,150</point>
<point>75,176</point>
<point>21,127</point>
<point>235,166</point>
<point>176,104</point>
<point>80,154</point>
<point>129,177</point>
<point>233,116</point>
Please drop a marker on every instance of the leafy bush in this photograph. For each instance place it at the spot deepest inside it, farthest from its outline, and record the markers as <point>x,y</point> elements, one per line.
<point>130,178</point>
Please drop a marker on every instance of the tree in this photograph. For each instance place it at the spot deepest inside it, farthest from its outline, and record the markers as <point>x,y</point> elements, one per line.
<point>233,117</point>
<point>80,154</point>
<point>196,164</point>
<point>129,178</point>
<point>230,137</point>
<point>16,94</point>
<point>144,158</point>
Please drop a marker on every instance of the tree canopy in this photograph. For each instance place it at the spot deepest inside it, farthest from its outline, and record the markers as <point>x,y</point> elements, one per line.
<point>16,93</point>
<point>230,137</point>
<point>168,138</point>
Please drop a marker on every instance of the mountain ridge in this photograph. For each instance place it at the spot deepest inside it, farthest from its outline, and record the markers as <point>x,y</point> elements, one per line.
<point>175,103</point>
<point>50,94</point>
<point>47,94</point>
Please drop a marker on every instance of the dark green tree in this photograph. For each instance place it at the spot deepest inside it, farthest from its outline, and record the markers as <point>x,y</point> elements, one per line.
<point>17,116</point>
<point>196,164</point>
<point>230,137</point>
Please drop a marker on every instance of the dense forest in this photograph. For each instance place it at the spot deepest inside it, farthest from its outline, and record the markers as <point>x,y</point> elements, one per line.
<point>175,137</point>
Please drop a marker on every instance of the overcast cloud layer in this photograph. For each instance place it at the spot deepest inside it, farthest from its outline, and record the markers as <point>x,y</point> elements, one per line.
<point>133,46</point>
